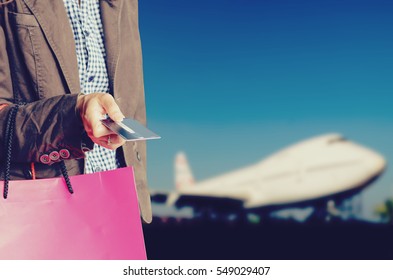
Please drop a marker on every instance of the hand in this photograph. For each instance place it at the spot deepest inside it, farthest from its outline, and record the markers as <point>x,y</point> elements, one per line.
<point>92,107</point>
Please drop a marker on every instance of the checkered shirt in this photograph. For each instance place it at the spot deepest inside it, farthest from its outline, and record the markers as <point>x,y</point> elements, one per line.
<point>85,19</point>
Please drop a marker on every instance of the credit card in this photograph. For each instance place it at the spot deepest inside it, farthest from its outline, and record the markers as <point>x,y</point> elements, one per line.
<point>130,130</point>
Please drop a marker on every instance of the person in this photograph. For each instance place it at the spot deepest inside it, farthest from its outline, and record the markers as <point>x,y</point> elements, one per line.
<point>67,63</point>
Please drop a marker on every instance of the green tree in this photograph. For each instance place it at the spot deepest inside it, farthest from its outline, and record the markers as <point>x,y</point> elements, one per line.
<point>385,211</point>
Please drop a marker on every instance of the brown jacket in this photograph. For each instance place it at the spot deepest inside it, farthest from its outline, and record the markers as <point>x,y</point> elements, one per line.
<point>37,43</point>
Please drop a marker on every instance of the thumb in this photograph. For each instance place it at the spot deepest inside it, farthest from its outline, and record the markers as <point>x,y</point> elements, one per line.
<point>111,108</point>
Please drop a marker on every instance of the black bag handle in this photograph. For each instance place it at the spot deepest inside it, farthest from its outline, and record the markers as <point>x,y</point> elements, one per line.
<point>9,133</point>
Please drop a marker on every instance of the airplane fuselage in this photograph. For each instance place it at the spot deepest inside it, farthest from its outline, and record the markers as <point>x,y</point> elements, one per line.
<point>312,169</point>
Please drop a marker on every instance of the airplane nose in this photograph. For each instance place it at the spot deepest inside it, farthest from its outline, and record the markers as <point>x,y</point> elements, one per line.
<point>372,162</point>
<point>376,163</point>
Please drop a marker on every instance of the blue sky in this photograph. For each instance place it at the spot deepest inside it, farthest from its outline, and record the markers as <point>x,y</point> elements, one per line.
<point>232,81</point>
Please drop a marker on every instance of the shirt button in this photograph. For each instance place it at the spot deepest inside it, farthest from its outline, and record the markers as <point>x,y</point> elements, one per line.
<point>91,78</point>
<point>97,169</point>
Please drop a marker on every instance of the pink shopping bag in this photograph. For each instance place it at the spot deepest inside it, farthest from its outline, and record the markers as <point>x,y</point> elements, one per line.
<point>40,219</point>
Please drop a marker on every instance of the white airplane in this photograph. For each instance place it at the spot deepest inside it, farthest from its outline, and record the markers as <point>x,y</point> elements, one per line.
<point>318,168</point>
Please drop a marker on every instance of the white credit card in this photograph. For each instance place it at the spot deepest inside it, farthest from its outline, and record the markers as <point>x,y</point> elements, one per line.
<point>130,130</point>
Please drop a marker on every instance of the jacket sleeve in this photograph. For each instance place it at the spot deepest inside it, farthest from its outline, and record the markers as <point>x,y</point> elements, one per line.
<point>43,126</point>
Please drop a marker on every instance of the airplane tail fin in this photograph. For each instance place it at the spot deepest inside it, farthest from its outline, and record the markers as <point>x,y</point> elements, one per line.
<point>183,174</point>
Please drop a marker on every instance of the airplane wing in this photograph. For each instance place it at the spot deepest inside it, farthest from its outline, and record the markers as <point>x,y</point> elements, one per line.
<point>196,201</point>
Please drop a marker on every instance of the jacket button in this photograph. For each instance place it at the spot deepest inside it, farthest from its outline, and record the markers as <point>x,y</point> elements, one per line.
<point>54,156</point>
<point>45,159</point>
<point>84,148</point>
<point>64,153</point>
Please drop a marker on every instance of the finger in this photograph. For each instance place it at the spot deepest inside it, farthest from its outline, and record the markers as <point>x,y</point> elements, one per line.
<point>104,143</point>
<point>112,141</point>
<point>111,108</point>
<point>99,130</point>
<point>93,119</point>
<point>116,139</point>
